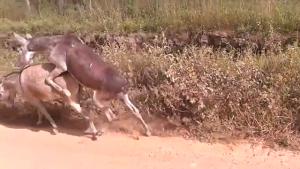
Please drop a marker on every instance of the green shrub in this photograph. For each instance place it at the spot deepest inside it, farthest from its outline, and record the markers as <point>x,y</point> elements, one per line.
<point>154,15</point>
<point>210,93</point>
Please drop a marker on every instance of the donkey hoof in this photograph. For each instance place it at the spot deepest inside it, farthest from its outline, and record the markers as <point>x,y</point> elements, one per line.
<point>93,132</point>
<point>99,133</point>
<point>94,137</point>
<point>39,122</point>
<point>114,117</point>
<point>148,133</point>
<point>54,131</point>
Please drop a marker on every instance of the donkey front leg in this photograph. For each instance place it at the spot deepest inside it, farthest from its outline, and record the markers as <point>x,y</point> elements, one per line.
<point>45,113</point>
<point>49,80</point>
<point>76,106</point>
<point>135,111</point>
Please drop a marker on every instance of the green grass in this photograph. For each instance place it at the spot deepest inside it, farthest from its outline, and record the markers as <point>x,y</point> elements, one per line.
<point>154,15</point>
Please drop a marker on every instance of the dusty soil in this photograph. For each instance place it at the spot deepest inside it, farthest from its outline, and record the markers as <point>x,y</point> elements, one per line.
<point>22,148</point>
<point>25,146</point>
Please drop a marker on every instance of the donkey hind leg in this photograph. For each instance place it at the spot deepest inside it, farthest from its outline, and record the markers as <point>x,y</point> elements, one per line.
<point>92,129</point>
<point>49,80</point>
<point>135,111</point>
<point>40,118</point>
<point>58,58</point>
<point>104,105</point>
<point>45,113</point>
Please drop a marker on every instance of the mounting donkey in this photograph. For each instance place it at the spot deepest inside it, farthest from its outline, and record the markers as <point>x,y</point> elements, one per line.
<point>69,54</point>
<point>47,45</point>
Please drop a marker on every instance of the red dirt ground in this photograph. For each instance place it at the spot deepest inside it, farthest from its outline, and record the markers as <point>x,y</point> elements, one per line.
<point>29,147</point>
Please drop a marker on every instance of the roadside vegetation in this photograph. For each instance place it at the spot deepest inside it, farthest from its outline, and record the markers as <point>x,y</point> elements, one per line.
<point>149,15</point>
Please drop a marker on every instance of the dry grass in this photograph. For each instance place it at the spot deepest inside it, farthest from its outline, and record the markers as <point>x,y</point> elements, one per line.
<point>210,93</point>
<point>154,15</point>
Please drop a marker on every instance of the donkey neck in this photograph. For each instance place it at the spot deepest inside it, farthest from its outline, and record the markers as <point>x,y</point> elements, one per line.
<point>43,43</point>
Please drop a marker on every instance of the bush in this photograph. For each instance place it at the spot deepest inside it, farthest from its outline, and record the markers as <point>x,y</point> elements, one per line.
<point>210,93</point>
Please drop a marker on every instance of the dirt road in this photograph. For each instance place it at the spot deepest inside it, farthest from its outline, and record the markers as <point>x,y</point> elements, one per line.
<point>25,149</point>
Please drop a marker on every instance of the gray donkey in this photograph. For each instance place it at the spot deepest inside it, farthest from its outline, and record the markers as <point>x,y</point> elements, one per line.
<point>47,45</point>
<point>91,71</point>
<point>29,83</point>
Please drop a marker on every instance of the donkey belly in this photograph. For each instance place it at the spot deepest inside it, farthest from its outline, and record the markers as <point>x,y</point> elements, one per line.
<point>33,82</point>
<point>86,70</point>
<point>86,78</point>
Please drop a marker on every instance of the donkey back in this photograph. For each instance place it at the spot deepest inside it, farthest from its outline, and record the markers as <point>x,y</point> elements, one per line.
<point>90,70</point>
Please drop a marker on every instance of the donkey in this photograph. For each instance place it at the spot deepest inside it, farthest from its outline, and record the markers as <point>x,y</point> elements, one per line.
<point>54,54</point>
<point>30,84</point>
<point>91,71</point>
<point>96,74</point>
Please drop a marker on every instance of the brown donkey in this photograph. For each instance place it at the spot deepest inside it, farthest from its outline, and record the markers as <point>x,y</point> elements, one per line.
<point>30,85</point>
<point>91,71</point>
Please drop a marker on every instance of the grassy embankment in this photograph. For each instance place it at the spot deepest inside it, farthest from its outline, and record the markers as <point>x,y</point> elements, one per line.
<point>208,92</point>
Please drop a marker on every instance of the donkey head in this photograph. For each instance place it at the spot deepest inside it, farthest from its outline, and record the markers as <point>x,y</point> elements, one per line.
<point>20,46</point>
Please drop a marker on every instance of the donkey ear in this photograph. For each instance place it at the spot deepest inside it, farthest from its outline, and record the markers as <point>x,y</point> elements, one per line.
<point>28,36</point>
<point>19,38</point>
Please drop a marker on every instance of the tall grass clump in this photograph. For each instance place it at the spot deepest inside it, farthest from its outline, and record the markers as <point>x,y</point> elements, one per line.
<point>152,15</point>
<point>210,93</point>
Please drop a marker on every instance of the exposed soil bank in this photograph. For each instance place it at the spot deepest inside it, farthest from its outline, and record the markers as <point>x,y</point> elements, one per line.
<point>177,41</point>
